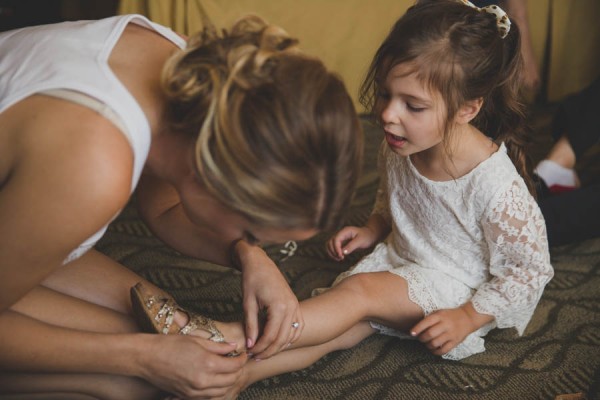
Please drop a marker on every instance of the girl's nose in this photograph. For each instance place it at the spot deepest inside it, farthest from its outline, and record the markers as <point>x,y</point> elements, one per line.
<point>388,114</point>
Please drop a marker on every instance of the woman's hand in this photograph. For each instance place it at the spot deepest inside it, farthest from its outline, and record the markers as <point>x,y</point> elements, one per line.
<point>189,366</point>
<point>349,239</point>
<point>443,330</point>
<point>264,287</point>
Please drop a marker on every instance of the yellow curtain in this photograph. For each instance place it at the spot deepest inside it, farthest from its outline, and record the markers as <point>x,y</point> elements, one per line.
<point>183,16</point>
<point>575,46</point>
<point>538,13</point>
<point>346,33</point>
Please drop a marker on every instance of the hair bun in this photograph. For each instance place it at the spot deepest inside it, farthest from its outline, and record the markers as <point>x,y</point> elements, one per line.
<point>250,64</point>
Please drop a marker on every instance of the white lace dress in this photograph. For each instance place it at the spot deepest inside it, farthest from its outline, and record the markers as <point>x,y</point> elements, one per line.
<point>481,238</point>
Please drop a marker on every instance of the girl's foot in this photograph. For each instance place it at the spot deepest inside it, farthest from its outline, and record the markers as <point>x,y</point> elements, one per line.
<point>161,314</point>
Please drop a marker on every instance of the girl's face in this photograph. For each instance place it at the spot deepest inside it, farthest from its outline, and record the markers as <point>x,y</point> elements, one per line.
<point>412,116</point>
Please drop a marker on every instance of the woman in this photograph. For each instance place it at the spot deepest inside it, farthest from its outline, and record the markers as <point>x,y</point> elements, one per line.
<point>226,139</point>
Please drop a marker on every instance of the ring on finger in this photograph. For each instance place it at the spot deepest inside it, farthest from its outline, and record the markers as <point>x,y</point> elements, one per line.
<point>295,325</point>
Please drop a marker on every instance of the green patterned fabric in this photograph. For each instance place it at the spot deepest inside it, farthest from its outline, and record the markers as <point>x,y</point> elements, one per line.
<point>559,352</point>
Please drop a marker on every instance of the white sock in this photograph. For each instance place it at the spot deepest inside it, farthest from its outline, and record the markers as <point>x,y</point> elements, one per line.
<point>555,174</point>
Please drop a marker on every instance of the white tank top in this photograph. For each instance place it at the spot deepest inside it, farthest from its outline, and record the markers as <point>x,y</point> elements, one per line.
<point>74,56</point>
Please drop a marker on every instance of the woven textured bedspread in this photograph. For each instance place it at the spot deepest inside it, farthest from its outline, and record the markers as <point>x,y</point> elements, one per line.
<point>559,352</point>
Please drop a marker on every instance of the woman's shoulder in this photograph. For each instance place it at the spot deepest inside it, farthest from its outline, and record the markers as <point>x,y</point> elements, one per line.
<point>68,142</point>
<point>69,173</point>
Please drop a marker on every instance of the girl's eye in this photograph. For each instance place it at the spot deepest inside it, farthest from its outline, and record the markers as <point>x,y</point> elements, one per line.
<point>414,108</point>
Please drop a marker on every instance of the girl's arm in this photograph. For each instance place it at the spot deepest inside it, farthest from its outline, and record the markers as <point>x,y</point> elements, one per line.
<point>520,268</point>
<point>443,330</point>
<point>377,227</point>
<point>351,238</point>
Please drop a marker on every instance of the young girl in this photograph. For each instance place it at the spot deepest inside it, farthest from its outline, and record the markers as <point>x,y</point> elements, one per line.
<point>460,242</point>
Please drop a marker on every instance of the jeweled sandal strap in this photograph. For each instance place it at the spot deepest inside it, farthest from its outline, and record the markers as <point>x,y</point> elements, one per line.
<point>201,322</point>
<point>167,311</point>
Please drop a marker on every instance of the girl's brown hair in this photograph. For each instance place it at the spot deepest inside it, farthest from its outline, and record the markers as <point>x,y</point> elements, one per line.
<point>458,51</point>
<point>278,138</point>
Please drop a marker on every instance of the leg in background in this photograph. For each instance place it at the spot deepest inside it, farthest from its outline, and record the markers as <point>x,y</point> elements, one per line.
<point>562,153</point>
<point>573,216</point>
<point>576,128</point>
<point>557,170</point>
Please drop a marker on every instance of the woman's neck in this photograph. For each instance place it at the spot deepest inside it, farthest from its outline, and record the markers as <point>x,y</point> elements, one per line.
<point>170,156</point>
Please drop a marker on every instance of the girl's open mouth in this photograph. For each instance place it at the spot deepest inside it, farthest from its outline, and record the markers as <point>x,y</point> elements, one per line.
<point>395,141</point>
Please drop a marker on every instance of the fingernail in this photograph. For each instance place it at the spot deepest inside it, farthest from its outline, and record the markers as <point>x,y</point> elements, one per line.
<point>413,333</point>
<point>257,359</point>
<point>248,343</point>
<point>232,343</point>
<point>345,251</point>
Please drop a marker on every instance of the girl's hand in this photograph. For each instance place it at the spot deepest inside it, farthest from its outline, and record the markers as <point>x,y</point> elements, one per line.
<point>349,239</point>
<point>264,287</point>
<point>443,330</point>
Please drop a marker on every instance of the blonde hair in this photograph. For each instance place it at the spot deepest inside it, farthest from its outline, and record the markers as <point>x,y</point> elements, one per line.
<point>278,138</point>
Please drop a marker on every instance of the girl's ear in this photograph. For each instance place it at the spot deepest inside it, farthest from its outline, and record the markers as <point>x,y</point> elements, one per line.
<point>468,111</point>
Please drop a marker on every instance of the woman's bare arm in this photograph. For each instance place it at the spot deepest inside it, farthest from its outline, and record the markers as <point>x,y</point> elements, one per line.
<point>70,175</point>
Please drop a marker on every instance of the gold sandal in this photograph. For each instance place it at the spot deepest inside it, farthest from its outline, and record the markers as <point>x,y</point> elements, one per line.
<point>155,315</point>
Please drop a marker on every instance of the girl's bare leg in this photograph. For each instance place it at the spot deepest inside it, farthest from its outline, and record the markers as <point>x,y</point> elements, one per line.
<point>379,297</point>
<point>296,359</point>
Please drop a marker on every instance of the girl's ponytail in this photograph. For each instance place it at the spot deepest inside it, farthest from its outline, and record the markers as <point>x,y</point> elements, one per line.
<point>503,118</point>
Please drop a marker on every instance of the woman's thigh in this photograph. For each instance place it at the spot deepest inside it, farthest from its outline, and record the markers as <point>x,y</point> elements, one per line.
<point>60,309</point>
<point>98,279</point>
<point>71,386</point>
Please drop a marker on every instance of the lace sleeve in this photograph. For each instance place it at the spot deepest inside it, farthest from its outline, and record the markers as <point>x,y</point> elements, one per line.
<point>382,200</point>
<point>520,268</point>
